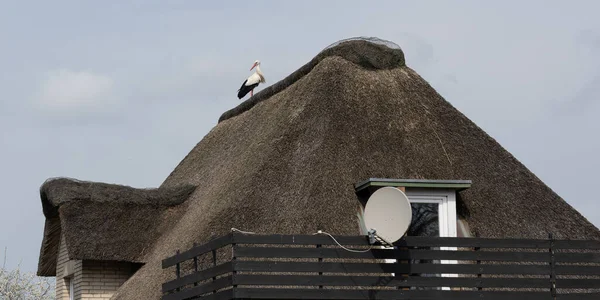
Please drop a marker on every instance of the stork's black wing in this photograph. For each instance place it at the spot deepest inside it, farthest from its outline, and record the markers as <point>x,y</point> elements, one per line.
<point>245,89</point>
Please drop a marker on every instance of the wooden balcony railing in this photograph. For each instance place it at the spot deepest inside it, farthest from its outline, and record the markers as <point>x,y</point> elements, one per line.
<point>249,266</point>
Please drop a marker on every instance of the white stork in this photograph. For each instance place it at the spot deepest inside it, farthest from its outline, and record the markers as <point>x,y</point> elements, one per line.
<point>252,81</point>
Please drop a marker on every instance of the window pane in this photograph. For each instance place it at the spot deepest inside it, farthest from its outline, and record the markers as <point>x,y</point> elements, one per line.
<point>425,220</point>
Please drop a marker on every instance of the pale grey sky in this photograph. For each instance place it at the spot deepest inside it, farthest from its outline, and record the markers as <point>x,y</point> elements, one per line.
<point>120,91</point>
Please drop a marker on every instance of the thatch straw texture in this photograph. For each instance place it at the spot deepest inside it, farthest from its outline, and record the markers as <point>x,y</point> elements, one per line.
<point>104,221</point>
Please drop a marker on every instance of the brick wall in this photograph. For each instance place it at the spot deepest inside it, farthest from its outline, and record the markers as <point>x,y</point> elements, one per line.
<point>93,280</point>
<point>62,288</point>
<point>77,279</point>
<point>99,280</point>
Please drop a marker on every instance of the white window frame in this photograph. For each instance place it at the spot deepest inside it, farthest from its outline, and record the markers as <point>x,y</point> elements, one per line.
<point>70,284</point>
<point>72,289</point>
<point>446,199</point>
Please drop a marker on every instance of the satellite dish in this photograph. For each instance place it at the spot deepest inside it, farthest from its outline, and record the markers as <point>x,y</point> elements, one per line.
<point>389,213</point>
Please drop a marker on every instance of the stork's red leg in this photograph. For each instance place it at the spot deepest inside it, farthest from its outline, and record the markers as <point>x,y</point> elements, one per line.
<point>251,93</point>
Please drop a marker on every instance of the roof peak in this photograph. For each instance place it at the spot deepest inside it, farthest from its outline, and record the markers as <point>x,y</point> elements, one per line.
<point>368,52</point>
<point>373,40</point>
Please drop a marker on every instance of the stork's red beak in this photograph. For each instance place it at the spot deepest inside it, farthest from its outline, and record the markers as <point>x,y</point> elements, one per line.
<point>254,65</point>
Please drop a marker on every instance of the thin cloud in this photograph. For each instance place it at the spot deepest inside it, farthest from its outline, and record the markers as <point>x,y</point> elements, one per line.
<point>66,91</point>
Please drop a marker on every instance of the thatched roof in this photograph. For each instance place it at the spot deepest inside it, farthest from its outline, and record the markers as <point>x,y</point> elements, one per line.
<point>369,53</point>
<point>286,161</point>
<point>103,221</point>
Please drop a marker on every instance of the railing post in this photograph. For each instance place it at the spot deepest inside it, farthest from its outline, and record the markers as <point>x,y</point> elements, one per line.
<point>195,264</point>
<point>320,261</point>
<point>552,267</point>
<point>214,257</point>
<point>234,272</point>
<point>404,276</point>
<point>476,249</point>
<point>177,270</point>
<point>397,250</point>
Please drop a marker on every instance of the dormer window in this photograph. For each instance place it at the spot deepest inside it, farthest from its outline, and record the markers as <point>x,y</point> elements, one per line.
<point>433,204</point>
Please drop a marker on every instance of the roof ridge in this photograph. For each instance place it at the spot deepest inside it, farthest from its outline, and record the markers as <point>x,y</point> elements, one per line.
<point>369,53</point>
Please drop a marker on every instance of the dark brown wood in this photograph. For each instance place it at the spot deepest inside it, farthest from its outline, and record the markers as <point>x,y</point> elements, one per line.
<point>177,270</point>
<point>577,270</point>
<point>552,267</point>
<point>270,266</point>
<point>252,293</point>
<point>550,259</point>
<point>196,277</point>
<point>214,257</point>
<point>201,289</point>
<point>577,257</point>
<point>578,284</point>
<point>409,241</point>
<point>477,249</point>
<point>320,260</point>
<point>278,252</point>
<point>578,296</point>
<point>195,264</point>
<point>177,267</point>
<point>234,248</point>
<point>418,241</point>
<point>577,244</point>
<point>278,239</point>
<point>197,251</point>
<point>367,281</point>
<point>222,295</point>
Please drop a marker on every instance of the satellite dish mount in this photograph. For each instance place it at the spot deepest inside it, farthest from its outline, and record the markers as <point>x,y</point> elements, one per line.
<point>387,216</point>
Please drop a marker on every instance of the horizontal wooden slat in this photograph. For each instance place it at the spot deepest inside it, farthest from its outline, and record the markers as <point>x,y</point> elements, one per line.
<point>577,257</point>
<point>278,252</point>
<point>576,244</point>
<point>367,281</point>
<point>410,241</point>
<point>222,295</point>
<point>364,281</point>
<point>220,283</point>
<point>577,270</point>
<point>251,293</point>
<point>577,283</point>
<point>196,251</point>
<point>418,241</point>
<point>197,276</point>
<point>278,239</point>
<point>270,266</point>
<point>579,296</point>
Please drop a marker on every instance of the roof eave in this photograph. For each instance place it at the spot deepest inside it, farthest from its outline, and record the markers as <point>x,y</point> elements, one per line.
<point>55,222</point>
<point>458,185</point>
